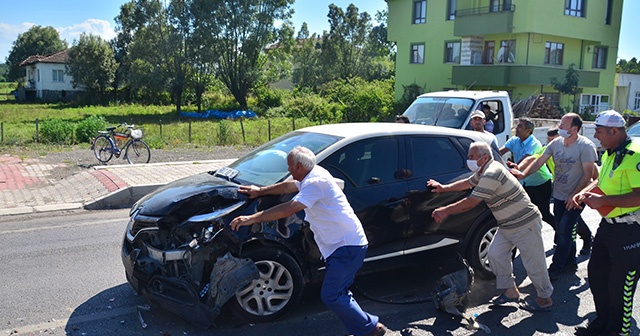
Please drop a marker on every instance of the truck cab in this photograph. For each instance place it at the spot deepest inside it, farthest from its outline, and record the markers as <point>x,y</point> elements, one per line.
<point>453,108</point>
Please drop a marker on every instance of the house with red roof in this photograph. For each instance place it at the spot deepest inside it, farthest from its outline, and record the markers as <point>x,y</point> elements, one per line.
<point>46,79</point>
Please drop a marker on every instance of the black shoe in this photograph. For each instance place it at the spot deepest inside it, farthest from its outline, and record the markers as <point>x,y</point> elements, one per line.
<point>594,328</point>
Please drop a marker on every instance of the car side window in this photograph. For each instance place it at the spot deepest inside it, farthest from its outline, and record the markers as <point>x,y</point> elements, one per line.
<point>433,156</point>
<point>366,162</point>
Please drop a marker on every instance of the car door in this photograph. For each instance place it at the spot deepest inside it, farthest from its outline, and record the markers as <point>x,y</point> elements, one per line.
<point>443,159</point>
<point>375,189</point>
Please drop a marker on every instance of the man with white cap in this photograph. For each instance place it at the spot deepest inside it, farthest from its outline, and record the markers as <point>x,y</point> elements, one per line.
<point>477,123</point>
<point>614,267</point>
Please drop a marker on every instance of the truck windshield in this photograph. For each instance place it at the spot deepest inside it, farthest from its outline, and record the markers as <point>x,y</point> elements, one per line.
<point>439,111</point>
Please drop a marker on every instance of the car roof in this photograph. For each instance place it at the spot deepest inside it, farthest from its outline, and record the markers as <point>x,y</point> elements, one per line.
<point>367,130</point>
<point>466,94</point>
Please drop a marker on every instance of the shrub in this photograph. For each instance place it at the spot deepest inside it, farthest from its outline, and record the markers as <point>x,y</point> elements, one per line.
<point>225,133</point>
<point>87,128</point>
<point>56,131</point>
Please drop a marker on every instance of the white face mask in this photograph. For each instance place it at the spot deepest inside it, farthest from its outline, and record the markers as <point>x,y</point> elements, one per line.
<point>473,165</point>
<point>563,133</point>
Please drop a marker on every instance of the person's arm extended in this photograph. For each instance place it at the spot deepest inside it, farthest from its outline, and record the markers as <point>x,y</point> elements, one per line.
<point>462,205</point>
<point>455,186</point>
<point>285,187</point>
<point>588,173</point>
<point>503,150</point>
<point>533,167</point>
<point>279,211</point>
<point>629,200</point>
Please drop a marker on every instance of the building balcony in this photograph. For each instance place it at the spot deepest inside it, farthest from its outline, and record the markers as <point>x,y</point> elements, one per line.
<point>503,75</point>
<point>484,20</point>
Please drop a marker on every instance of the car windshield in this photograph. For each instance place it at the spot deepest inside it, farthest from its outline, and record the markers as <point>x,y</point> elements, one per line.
<point>634,130</point>
<point>439,111</point>
<point>267,164</point>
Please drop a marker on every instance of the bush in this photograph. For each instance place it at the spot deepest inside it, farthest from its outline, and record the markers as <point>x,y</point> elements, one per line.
<point>87,128</point>
<point>361,101</point>
<point>56,131</point>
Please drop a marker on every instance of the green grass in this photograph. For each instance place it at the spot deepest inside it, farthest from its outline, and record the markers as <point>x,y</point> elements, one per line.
<point>5,91</point>
<point>162,126</point>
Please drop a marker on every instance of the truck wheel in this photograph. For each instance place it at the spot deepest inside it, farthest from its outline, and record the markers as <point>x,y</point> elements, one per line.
<point>278,289</point>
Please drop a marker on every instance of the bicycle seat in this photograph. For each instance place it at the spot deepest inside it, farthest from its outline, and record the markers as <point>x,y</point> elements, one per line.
<point>111,128</point>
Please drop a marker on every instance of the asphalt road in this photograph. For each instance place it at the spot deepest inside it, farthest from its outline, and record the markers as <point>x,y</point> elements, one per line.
<point>60,273</point>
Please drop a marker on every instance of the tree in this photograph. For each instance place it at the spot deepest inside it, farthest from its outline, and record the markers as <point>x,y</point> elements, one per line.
<point>238,31</point>
<point>570,86</point>
<point>306,72</point>
<point>37,40</point>
<point>92,64</point>
<point>631,67</point>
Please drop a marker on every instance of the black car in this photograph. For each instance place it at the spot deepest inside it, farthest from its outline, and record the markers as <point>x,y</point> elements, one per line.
<point>180,253</point>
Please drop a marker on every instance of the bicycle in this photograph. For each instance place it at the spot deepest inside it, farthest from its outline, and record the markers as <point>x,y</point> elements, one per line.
<point>105,145</point>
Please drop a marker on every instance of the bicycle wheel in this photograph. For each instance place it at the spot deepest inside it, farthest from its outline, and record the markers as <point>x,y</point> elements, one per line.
<point>137,152</point>
<point>102,148</point>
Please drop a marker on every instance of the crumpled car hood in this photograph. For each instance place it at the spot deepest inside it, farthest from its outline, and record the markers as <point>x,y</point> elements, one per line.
<point>199,191</point>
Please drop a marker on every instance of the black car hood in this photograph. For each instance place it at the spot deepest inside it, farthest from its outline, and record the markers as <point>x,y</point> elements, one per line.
<point>199,192</point>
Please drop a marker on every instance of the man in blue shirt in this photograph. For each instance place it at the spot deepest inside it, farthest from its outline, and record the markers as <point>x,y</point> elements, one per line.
<point>537,185</point>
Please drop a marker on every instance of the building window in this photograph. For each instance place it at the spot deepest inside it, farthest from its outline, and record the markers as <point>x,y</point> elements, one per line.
<point>58,75</point>
<point>507,51</point>
<point>553,53</point>
<point>451,10</point>
<point>452,52</point>
<point>420,11</point>
<point>417,53</point>
<point>593,103</point>
<point>489,50</point>
<point>494,5</point>
<point>599,58</point>
<point>636,103</point>
<point>574,8</point>
<point>608,12</point>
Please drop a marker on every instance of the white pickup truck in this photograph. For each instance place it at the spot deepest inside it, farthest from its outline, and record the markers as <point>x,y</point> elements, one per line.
<point>453,108</point>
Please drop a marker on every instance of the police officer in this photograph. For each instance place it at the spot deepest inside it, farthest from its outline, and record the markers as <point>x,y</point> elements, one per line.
<point>614,267</point>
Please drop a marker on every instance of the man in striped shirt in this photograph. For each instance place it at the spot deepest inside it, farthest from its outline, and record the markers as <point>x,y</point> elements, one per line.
<point>519,225</point>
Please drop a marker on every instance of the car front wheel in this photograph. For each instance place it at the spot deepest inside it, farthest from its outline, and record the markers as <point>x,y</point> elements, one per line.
<point>478,250</point>
<point>278,289</point>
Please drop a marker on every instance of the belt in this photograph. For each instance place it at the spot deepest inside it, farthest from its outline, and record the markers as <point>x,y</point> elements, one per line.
<point>630,218</point>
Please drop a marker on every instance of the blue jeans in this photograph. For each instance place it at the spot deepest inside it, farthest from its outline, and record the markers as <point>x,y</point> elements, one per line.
<point>341,267</point>
<point>565,253</point>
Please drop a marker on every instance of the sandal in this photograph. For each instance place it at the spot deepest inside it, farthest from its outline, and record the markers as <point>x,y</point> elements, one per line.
<point>503,299</point>
<point>533,306</point>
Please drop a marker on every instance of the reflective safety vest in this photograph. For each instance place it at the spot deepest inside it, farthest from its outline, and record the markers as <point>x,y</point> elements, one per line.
<point>622,179</point>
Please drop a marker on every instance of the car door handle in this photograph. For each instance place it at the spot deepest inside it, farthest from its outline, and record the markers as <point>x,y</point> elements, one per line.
<point>374,180</point>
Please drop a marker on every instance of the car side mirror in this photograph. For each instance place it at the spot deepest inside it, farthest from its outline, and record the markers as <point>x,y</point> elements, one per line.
<point>339,182</point>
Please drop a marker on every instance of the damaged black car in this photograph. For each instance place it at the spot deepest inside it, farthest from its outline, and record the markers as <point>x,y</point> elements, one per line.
<point>179,252</point>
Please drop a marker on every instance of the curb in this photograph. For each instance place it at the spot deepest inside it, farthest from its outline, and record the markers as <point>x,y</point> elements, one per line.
<point>121,198</point>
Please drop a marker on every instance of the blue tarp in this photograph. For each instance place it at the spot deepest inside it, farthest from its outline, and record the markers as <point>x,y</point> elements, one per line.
<point>215,114</point>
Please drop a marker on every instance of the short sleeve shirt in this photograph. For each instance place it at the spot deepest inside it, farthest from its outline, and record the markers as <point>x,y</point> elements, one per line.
<point>520,150</point>
<point>505,197</point>
<point>332,220</point>
<point>568,164</point>
<point>623,179</point>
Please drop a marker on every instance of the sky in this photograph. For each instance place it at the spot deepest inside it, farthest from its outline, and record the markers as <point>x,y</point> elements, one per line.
<point>74,17</point>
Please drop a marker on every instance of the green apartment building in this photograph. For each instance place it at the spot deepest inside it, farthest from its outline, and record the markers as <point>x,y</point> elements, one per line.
<point>511,45</point>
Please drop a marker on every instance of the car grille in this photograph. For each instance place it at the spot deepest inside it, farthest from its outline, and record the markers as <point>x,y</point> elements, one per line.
<point>140,223</point>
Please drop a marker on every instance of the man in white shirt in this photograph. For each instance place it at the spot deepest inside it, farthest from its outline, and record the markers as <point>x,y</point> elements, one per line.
<point>336,229</point>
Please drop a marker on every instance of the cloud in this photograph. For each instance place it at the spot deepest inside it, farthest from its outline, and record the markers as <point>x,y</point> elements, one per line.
<point>96,27</point>
<point>9,33</point>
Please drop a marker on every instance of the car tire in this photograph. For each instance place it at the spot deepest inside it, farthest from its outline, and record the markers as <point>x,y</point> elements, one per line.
<point>278,289</point>
<point>478,250</point>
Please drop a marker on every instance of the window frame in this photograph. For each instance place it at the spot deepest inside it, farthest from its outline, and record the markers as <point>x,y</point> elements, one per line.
<point>57,76</point>
<point>636,102</point>
<point>419,6</point>
<point>599,57</point>
<point>420,47</point>
<point>576,8</point>
<point>449,57</point>
<point>549,57</point>
<point>510,48</point>
<point>451,9</point>
<point>488,52</point>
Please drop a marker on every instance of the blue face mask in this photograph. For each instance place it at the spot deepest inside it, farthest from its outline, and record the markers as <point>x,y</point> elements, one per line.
<point>563,133</point>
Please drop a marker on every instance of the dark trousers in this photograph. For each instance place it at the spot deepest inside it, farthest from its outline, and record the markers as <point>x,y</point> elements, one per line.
<point>614,269</point>
<point>540,196</point>
<point>341,268</point>
<point>565,253</point>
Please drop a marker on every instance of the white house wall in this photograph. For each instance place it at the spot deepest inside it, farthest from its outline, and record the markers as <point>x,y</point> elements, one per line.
<point>46,79</point>
<point>626,91</point>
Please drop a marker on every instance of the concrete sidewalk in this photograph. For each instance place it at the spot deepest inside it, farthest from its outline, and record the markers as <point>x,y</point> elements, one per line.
<point>26,185</point>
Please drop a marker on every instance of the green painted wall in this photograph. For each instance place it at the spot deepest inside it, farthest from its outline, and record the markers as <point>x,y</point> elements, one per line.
<point>534,23</point>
